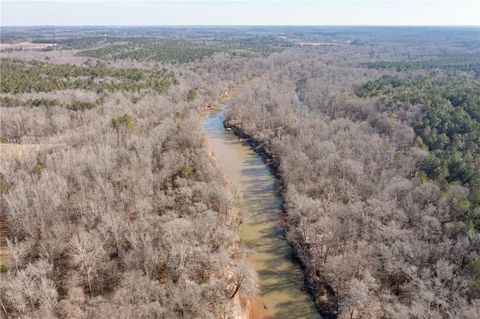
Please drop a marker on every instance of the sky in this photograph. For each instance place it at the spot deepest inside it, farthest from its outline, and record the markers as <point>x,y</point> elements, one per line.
<point>229,12</point>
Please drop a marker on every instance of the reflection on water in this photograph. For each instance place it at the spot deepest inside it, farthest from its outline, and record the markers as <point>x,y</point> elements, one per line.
<point>260,206</point>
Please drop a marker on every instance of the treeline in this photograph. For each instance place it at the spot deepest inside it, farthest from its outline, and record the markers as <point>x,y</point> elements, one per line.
<point>377,238</point>
<point>166,51</point>
<point>36,102</point>
<point>33,76</point>
<point>35,117</point>
<point>467,63</point>
<point>180,50</point>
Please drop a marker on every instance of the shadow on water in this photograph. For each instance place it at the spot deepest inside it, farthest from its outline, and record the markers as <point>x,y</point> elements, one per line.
<point>280,276</point>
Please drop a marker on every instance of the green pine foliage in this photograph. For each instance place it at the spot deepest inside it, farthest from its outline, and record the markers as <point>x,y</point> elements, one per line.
<point>448,127</point>
<point>191,95</point>
<point>466,63</point>
<point>179,50</point>
<point>33,76</point>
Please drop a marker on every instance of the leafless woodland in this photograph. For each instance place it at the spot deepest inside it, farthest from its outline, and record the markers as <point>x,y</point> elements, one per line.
<point>120,212</point>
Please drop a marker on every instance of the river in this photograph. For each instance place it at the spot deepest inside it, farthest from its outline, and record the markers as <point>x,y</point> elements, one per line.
<point>260,206</point>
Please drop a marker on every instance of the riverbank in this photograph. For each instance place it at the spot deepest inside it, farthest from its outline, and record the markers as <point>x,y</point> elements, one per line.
<point>260,206</point>
<point>317,286</point>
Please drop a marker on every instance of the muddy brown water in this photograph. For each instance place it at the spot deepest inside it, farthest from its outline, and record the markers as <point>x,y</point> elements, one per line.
<point>260,207</point>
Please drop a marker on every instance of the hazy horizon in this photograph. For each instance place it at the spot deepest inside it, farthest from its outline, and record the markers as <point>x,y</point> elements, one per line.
<point>241,13</point>
<point>453,26</point>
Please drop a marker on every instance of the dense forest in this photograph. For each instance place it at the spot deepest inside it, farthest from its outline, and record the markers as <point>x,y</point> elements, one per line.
<point>103,215</point>
<point>112,207</point>
<point>381,180</point>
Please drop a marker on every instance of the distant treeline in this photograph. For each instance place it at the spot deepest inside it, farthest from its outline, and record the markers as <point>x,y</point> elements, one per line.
<point>467,63</point>
<point>33,76</point>
<point>179,50</point>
